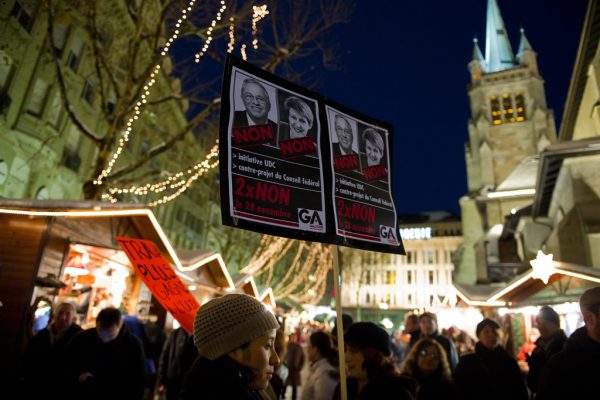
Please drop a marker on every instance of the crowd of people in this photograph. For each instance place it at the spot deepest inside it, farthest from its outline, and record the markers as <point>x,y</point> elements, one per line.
<point>239,350</point>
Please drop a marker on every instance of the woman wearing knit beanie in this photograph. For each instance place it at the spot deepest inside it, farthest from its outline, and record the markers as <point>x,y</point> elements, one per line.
<point>235,337</point>
<point>372,375</point>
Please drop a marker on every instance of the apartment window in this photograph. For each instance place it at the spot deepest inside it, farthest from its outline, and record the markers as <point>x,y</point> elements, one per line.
<point>368,277</point>
<point>37,98</point>
<point>55,111</point>
<point>3,171</point>
<point>75,53</point>
<point>42,193</point>
<point>410,298</point>
<point>410,257</point>
<point>495,108</point>
<point>520,104</point>
<point>59,37</point>
<point>431,277</point>
<point>409,277</point>
<point>89,89</point>
<point>22,15</point>
<point>390,277</point>
<point>368,298</point>
<point>430,256</point>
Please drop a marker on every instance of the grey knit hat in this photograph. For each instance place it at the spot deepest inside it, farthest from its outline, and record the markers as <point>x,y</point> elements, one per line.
<point>224,324</point>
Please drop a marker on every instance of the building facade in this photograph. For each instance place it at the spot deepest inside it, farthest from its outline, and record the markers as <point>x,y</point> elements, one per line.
<point>510,125</point>
<point>43,152</point>
<point>377,283</point>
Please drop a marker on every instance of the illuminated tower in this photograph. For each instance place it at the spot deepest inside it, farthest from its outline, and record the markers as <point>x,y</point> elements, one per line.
<point>510,124</point>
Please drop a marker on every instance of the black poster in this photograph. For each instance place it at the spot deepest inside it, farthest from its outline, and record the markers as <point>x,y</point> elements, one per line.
<point>363,206</point>
<point>286,171</point>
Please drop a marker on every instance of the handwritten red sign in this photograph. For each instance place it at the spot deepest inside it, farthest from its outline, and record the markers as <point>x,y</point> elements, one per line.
<point>159,276</point>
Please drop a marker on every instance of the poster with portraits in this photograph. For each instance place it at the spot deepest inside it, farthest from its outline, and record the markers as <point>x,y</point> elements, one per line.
<point>274,172</point>
<point>362,201</point>
<point>297,165</point>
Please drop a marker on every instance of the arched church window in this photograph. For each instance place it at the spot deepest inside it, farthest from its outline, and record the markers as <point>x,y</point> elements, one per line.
<point>495,108</point>
<point>507,106</point>
<point>520,104</point>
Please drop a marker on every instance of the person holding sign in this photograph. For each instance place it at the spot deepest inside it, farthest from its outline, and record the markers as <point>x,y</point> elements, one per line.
<point>257,103</point>
<point>373,146</point>
<point>235,337</point>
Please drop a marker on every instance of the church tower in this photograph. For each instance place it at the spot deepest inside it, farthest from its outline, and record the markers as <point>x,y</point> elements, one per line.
<point>510,125</point>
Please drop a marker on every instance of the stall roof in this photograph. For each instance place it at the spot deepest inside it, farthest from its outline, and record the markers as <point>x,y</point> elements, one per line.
<point>526,285</point>
<point>120,219</point>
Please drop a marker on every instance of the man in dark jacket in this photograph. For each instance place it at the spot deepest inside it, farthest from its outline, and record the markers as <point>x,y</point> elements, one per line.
<point>490,373</point>
<point>44,365</point>
<point>572,373</point>
<point>176,359</point>
<point>429,329</point>
<point>551,341</point>
<point>107,361</point>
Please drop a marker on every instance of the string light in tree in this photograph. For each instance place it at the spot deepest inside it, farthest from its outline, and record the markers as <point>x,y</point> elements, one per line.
<point>231,35</point>
<point>306,276</point>
<point>243,51</point>
<point>259,12</point>
<point>179,182</point>
<point>209,32</point>
<point>143,99</point>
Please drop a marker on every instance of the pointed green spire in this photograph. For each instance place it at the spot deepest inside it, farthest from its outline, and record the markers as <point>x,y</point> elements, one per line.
<point>498,52</point>
<point>477,56</point>
<point>524,44</point>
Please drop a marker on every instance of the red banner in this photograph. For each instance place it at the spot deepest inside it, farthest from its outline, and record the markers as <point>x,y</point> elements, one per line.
<point>159,276</point>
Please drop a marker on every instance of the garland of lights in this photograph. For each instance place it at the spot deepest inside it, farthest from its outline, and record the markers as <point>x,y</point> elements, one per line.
<point>306,277</point>
<point>199,55</point>
<point>182,180</point>
<point>137,110</point>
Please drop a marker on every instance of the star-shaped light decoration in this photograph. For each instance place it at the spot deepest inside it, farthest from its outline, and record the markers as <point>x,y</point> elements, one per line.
<point>543,266</point>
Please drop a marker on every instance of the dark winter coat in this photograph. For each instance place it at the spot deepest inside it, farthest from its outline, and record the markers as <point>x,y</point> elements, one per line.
<point>435,387</point>
<point>491,374</point>
<point>574,372</point>
<point>294,359</point>
<point>544,350</point>
<point>221,379</point>
<point>44,364</point>
<point>396,387</point>
<point>118,367</point>
<point>176,359</point>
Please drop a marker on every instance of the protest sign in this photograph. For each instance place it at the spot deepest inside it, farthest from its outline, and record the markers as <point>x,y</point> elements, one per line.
<point>287,170</point>
<point>160,277</point>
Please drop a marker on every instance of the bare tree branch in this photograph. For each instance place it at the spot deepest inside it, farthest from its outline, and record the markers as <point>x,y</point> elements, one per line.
<point>61,80</point>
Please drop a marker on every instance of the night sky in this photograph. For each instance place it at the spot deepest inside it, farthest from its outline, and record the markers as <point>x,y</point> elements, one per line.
<point>406,63</point>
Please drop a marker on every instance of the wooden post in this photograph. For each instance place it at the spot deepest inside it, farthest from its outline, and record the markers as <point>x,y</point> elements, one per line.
<point>339,323</point>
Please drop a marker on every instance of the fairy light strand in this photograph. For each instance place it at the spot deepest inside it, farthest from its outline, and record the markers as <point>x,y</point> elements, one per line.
<point>259,12</point>
<point>143,99</point>
<point>231,43</point>
<point>209,32</point>
<point>179,182</point>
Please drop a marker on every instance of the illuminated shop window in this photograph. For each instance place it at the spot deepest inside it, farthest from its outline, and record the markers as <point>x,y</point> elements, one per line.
<point>390,277</point>
<point>520,104</point>
<point>507,107</point>
<point>495,107</point>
